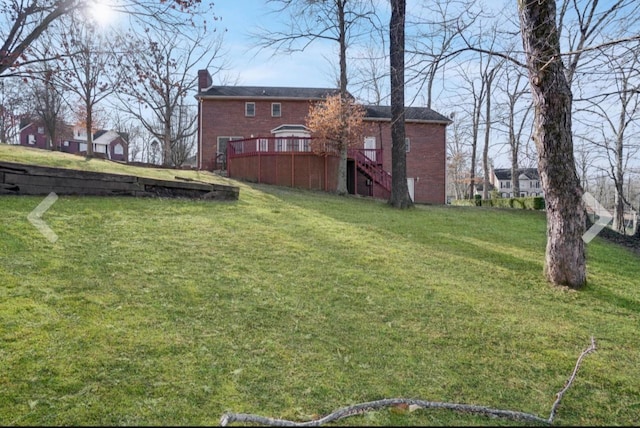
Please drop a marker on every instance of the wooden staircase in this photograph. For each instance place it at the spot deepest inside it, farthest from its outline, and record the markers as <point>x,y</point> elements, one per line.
<point>372,169</point>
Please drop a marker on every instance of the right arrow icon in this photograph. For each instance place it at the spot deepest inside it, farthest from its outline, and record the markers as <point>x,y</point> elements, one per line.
<point>604,217</point>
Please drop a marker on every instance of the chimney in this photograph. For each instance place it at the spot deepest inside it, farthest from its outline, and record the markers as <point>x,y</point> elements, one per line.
<point>204,79</point>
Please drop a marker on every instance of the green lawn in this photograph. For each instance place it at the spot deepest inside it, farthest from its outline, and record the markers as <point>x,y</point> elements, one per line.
<point>290,303</point>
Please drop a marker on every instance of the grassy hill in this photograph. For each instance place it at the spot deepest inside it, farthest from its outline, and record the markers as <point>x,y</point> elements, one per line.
<point>291,303</point>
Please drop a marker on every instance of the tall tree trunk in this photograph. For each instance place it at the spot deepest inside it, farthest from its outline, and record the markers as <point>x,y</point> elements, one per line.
<point>341,188</point>
<point>565,262</point>
<point>487,137</point>
<point>89,126</point>
<point>477,109</point>
<point>399,189</point>
<point>166,145</point>
<point>514,144</point>
<point>618,173</point>
<point>515,174</point>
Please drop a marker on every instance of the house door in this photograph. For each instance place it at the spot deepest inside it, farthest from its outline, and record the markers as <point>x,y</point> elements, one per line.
<point>370,148</point>
<point>411,186</point>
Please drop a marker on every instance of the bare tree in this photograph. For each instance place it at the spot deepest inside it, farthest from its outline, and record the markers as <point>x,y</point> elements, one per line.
<point>49,106</point>
<point>488,76</point>
<point>11,103</point>
<point>581,24</point>
<point>457,157</point>
<point>616,119</point>
<point>22,22</point>
<point>337,21</point>
<point>371,73</point>
<point>158,70</point>
<point>518,107</point>
<point>435,41</point>
<point>565,262</point>
<point>184,134</point>
<point>84,68</point>
<point>475,74</point>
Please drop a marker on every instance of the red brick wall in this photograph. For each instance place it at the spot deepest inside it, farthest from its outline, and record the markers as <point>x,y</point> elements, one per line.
<point>223,118</point>
<point>125,150</point>
<point>40,138</point>
<point>425,159</point>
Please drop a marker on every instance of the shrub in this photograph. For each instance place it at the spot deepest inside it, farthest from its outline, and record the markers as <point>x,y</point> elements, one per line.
<point>527,203</point>
<point>464,202</point>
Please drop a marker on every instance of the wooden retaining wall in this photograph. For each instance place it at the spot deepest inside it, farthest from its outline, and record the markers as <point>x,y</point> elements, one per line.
<point>21,179</point>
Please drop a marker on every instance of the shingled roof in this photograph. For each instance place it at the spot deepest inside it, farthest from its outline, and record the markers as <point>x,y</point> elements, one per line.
<point>269,92</point>
<point>505,173</point>
<point>411,114</point>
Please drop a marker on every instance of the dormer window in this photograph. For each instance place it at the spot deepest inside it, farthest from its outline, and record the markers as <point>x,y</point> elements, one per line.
<point>249,109</point>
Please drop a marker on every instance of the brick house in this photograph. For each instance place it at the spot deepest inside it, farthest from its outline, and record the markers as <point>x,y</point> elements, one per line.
<point>260,132</point>
<point>106,144</point>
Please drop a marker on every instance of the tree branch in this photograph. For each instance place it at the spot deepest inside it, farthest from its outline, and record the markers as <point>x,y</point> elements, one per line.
<point>412,404</point>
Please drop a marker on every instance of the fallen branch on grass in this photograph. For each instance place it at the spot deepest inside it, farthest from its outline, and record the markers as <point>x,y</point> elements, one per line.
<point>554,408</point>
<point>411,404</point>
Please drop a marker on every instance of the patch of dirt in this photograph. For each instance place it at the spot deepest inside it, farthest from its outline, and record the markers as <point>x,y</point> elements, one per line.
<point>630,241</point>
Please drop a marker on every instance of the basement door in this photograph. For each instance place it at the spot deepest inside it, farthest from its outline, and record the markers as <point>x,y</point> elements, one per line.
<point>411,185</point>
<point>370,148</point>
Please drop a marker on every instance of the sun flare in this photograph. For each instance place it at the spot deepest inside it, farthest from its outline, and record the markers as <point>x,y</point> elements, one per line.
<point>101,11</point>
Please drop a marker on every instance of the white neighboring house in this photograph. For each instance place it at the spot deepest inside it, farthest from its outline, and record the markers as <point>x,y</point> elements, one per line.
<point>529,182</point>
<point>111,144</point>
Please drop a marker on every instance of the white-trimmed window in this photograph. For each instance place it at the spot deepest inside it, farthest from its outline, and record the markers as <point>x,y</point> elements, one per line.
<point>407,145</point>
<point>118,149</point>
<point>40,129</point>
<point>65,143</point>
<point>262,145</point>
<point>31,139</point>
<point>276,109</point>
<point>250,109</point>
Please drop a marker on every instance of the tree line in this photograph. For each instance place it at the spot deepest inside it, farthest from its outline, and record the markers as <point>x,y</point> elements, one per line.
<point>61,64</point>
<point>529,70</point>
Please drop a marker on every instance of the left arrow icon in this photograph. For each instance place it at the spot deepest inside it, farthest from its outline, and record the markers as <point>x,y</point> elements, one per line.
<point>35,217</point>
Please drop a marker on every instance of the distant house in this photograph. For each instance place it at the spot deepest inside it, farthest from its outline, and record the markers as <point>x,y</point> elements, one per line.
<point>258,134</point>
<point>106,144</point>
<point>529,181</point>
<point>34,134</point>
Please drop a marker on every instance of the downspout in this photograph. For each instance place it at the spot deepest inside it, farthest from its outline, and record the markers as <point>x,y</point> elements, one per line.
<point>200,134</point>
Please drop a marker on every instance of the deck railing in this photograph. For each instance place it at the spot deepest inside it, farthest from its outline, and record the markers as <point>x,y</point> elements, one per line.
<point>368,161</point>
<point>271,145</point>
<point>252,146</point>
